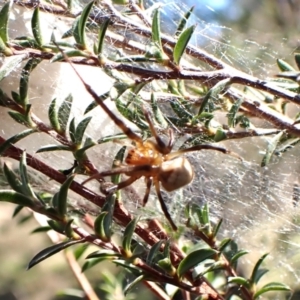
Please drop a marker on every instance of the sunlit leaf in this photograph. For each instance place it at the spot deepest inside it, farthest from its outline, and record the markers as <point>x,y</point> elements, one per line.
<point>4,17</point>
<point>10,64</point>
<point>271,148</point>
<point>80,129</point>
<point>127,237</point>
<point>156,28</point>
<point>16,198</point>
<point>284,66</point>
<point>101,36</point>
<point>36,27</point>
<point>193,259</point>
<point>271,287</point>
<point>183,21</point>
<point>255,276</point>
<point>182,43</point>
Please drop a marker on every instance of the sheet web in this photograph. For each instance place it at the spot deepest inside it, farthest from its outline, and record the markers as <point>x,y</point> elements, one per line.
<point>259,206</point>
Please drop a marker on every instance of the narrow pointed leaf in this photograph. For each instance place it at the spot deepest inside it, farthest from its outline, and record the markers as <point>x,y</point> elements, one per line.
<point>271,287</point>
<point>10,64</point>
<point>284,66</point>
<point>64,112</point>
<point>213,92</point>
<point>183,21</point>
<point>24,81</point>
<point>4,17</point>
<point>117,160</point>
<point>80,129</point>
<point>233,112</point>
<point>17,210</point>
<point>57,226</point>
<point>156,28</point>
<point>19,118</point>
<point>91,263</point>
<point>72,129</point>
<point>36,28</point>
<point>217,228</point>
<point>193,259</point>
<point>53,115</point>
<point>224,243</point>
<point>48,252</point>
<point>154,253</point>
<point>297,59</point>
<point>79,30</point>
<point>239,254</point>
<point>132,284</point>
<point>256,268</point>
<point>128,233</point>
<point>158,115</point>
<point>101,36</point>
<point>27,189</point>
<point>69,53</point>
<point>63,196</point>
<point>12,179</point>
<point>132,268</point>
<point>79,250</point>
<point>49,148</point>
<point>41,229</point>
<point>182,43</point>
<point>14,139</point>
<point>99,226</point>
<point>104,254</point>
<point>16,198</point>
<point>239,281</point>
<point>271,148</point>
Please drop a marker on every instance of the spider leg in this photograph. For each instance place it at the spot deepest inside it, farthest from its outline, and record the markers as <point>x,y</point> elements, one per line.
<point>163,205</point>
<point>130,133</point>
<point>149,182</point>
<point>161,146</point>
<point>202,147</point>
<point>123,184</point>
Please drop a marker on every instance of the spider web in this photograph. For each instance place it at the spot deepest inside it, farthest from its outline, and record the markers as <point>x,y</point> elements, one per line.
<point>259,206</point>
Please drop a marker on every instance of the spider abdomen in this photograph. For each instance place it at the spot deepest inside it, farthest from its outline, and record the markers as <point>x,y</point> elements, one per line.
<point>175,174</point>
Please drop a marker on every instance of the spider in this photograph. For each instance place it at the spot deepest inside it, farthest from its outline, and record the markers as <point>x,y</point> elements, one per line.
<point>152,159</point>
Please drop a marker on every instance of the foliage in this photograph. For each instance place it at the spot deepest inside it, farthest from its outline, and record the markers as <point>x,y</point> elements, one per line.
<point>190,102</point>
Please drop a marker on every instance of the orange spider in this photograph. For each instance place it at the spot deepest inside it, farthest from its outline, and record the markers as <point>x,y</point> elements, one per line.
<point>151,159</point>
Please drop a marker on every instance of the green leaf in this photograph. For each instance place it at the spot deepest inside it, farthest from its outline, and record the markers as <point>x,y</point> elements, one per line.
<point>284,66</point>
<point>224,243</point>
<point>271,148</point>
<point>297,59</point>
<point>93,104</point>
<point>79,250</point>
<point>27,189</point>
<point>154,253</point>
<point>41,229</point>
<point>17,210</point>
<point>101,36</point>
<point>239,254</point>
<point>36,28</point>
<point>4,17</point>
<point>57,226</point>
<point>157,113</point>
<point>80,26</point>
<point>63,196</point>
<point>217,228</point>
<point>271,287</point>
<point>166,265</point>
<point>156,39</point>
<point>128,266</point>
<point>193,259</point>
<point>127,238</point>
<point>16,198</point>
<point>233,112</point>
<point>48,252</point>
<point>132,284</point>
<point>69,53</point>
<point>183,21</point>
<point>255,276</point>
<point>14,139</point>
<point>53,115</point>
<point>72,130</point>
<point>80,129</point>
<point>213,92</point>
<point>182,43</point>
<point>24,80</point>
<point>12,179</point>
<point>64,112</point>
<point>104,254</point>
<point>54,148</point>
<point>91,263</point>
<point>10,64</point>
<point>116,163</point>
<point>19,118</point>
<point>239,281</point>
